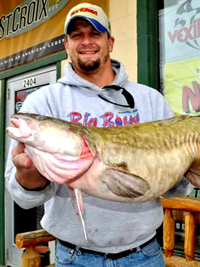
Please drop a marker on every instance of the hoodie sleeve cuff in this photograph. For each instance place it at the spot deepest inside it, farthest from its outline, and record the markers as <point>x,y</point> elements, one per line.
<point>37,189</point>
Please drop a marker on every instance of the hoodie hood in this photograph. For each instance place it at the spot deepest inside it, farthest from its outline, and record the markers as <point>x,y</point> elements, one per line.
<point>71,78</point>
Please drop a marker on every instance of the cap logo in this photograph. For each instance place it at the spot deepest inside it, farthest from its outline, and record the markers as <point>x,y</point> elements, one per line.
<point>84,9</point>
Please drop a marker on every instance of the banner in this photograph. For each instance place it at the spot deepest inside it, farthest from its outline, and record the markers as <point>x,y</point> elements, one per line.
<point>32,29</point>
<point>35,52</point>
<point>28,15</point>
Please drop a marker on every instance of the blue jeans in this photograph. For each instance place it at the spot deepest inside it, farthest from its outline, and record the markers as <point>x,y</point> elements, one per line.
<point>149,256</point>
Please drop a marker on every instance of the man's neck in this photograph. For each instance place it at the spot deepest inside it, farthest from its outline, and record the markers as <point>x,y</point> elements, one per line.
<point>100,78</point>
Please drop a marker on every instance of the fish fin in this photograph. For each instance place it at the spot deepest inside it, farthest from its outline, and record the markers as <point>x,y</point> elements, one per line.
<point>71,193</point>
<point>78,206</point>
<point>125,184</point>
<point>79,201</point>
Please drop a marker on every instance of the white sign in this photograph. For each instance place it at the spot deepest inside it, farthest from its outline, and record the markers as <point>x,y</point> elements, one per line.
<point>180,31</point>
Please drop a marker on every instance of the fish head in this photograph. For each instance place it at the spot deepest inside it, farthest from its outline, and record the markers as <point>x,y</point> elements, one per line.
<point>45,133</point>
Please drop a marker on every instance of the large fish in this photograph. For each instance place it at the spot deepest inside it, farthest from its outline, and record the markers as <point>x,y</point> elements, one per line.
<point>127,164</point>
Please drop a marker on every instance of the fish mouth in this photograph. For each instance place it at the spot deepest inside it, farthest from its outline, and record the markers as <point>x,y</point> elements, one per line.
<point>15,122</point>
<point>20,130</point>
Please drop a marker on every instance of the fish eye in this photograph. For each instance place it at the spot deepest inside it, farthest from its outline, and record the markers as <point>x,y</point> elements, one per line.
<point>40,117</point>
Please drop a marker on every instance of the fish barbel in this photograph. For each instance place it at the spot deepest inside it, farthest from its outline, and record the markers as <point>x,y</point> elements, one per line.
<point>126,164</point>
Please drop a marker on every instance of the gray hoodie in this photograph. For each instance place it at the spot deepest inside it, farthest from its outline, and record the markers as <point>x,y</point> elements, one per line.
<point>111,226</point>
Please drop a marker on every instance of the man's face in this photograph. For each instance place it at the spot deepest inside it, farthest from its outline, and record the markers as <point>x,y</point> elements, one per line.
<point>88,49</point>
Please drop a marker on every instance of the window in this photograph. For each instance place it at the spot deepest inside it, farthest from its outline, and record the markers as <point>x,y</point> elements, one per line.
<point>179,35</point>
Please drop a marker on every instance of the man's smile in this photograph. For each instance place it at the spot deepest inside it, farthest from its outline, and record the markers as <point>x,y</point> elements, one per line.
<point>88,52</point>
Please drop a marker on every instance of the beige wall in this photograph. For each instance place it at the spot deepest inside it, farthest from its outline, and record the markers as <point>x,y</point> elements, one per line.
<point>122,14</point>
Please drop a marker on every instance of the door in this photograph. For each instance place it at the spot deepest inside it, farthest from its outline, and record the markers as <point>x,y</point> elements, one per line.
<point>17,219</point>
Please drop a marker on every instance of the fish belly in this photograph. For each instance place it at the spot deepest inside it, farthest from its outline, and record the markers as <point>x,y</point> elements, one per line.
<point>58,168</point>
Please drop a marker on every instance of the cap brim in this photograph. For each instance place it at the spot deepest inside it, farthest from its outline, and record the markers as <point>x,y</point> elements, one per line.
<point>98,26</point>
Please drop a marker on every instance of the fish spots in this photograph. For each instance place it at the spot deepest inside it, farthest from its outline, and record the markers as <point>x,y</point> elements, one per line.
<point>122,165</point>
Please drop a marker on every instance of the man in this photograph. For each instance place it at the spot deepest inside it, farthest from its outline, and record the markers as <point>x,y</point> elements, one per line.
<point>95,91</point>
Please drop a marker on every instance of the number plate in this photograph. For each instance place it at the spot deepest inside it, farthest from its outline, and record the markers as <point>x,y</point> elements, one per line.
<point>30,82</point>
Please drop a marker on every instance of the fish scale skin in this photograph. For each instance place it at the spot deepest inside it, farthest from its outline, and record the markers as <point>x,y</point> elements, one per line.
<point>149,135</point>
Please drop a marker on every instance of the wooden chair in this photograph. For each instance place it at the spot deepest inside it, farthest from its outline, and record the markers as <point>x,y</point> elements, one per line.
<point>31,241</point>
<point>190,207</point>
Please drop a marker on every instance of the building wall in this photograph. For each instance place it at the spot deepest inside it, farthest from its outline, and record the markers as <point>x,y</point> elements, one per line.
<point>124,29</point>
<point>122,15</point>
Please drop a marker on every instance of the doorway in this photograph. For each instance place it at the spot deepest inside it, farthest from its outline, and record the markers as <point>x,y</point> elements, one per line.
<point>18,220</point>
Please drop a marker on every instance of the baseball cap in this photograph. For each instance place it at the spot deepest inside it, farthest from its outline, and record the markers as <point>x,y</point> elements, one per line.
<point>92,13</point>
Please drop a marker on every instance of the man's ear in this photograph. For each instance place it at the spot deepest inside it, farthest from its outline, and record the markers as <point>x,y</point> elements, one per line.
<point>111,41</point>
<point>65,41</point>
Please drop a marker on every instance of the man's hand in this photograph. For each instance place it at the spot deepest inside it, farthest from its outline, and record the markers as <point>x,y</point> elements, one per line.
<point>27,175</point>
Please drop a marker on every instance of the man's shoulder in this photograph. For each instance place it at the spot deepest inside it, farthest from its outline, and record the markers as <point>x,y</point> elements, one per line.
<point>142,89</point>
